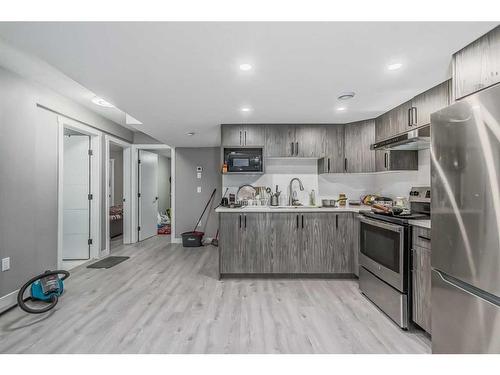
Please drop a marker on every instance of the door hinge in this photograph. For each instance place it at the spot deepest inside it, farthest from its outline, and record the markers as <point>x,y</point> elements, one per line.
<point>91,152</point>
<point>139,161</point>
<point>138,228</point>
<point>138,195</point>
<point>90,241</point>
<point>90,197</point>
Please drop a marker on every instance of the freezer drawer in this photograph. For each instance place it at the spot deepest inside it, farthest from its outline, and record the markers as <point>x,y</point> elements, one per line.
<point>462,322</point>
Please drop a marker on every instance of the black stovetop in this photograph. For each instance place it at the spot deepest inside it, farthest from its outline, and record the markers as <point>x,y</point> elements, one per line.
<point>400,219</point>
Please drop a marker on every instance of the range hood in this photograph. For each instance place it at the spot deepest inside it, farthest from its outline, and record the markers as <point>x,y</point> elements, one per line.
<point>418,139</point>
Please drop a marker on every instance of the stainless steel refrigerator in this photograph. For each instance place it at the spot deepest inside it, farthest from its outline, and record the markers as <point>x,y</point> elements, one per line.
<point>465,189</point>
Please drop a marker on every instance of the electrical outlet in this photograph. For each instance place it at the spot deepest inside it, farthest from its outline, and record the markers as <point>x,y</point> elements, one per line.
<point>198,175</point>
<point>198,189</point>
<point>5,264</point>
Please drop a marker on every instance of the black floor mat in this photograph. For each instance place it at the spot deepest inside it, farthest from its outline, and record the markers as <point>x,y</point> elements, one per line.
<point>108,262</point>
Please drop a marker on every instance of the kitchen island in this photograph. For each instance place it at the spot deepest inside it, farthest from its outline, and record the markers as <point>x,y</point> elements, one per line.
<point>289,241</point>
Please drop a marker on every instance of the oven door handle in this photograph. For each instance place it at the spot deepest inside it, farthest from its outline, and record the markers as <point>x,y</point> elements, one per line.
<point>381,224</point>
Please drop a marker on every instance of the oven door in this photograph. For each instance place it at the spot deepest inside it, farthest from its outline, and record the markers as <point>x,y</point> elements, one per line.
<point>382,251</point>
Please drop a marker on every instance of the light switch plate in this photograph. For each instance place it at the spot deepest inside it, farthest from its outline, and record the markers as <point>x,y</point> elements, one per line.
<point>198,189</point>
<point>5,264</point>
<point>198,175</point>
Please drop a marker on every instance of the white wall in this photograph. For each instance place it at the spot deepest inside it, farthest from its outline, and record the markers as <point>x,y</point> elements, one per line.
<point>354,185</point>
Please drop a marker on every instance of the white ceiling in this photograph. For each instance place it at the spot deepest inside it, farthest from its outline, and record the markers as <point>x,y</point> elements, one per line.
<point>182,77</point>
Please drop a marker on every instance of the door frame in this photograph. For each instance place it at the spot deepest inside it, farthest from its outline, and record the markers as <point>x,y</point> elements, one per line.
<point>127,185</point>
<point>111,181</point>
<point>95,183</point>
<point>135,178</point>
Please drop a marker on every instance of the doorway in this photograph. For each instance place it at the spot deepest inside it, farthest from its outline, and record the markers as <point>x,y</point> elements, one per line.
<point>117,216</point>
<point>154,188</point>
<point>79,182</point>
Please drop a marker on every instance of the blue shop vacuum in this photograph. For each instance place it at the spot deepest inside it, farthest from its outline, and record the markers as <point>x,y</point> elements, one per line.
<point>46,288</point>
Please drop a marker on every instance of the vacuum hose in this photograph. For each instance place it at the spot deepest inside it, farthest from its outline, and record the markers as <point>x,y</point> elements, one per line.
<point>54,298</point>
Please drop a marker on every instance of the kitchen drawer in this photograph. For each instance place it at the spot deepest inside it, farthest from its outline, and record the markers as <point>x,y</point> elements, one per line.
<point>421,237</point>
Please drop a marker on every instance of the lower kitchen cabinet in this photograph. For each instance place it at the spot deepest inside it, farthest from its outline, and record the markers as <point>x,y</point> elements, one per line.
<point>421,280</point>
<point>287,243</point>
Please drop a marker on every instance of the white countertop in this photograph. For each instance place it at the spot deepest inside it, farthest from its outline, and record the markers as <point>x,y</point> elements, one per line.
<point>420,223</point>
<point>346,208</point>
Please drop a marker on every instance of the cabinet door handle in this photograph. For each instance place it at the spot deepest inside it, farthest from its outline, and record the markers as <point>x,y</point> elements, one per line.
<point>415,118</point>
<point>424,238</point>
<point>337,221</point>
<point>240,221</point>
<point>296,148</point>
<point>245,221</point>
<point>328,165</point>
<point>345,164</point>
<point>245,137</point>
<point>409,116</point>
<point>297,219</point>
<point>292,149</point>
<point>302,221</point>
<point>240,138</point>
<point>385,160</point>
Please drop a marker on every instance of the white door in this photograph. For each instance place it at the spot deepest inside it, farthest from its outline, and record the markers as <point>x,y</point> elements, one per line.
<point>148,194</point>
<point>76,203</point>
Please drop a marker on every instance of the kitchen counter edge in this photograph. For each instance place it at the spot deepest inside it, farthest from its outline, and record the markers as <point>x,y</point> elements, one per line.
<point>347,208</point>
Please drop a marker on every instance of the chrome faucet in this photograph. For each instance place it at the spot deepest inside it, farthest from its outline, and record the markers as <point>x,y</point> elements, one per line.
<point>292,194</point>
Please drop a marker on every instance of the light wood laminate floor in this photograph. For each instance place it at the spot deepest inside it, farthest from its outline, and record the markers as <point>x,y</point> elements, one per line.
<point>167,299</point>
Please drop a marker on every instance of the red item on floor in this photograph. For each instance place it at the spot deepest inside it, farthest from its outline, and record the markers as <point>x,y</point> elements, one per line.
<point>164,230</point>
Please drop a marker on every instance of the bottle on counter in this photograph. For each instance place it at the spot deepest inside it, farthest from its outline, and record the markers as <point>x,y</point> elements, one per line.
<point>312,198</point>
<point>342,199</point>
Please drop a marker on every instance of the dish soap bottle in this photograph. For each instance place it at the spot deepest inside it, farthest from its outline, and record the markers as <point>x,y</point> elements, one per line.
<point>312,198</point>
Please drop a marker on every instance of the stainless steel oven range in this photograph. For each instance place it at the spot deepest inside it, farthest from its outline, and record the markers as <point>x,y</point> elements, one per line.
<point>385,243</point>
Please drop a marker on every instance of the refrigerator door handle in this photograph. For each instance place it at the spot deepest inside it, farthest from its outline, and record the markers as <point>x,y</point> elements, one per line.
<point>472,290</point>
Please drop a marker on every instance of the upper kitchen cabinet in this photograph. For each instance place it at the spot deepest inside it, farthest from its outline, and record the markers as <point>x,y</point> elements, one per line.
<point>358,138</point>
<point>333,160</point>
<point>394,122</point>
<point>279,141</point>
<point>477,66</point>
<point>242,135</point>
<point>396,160</point>
<point>305,141</point>
<point>428,102</point>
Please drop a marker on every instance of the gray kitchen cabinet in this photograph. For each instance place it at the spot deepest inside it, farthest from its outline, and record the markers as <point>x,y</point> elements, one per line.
<point>421,277</point>
<point>396,160</point>
<point>393,122</point>
<point>242,135</point>
<point>310,141</point>
<point>477,66</point>
<point>428,102</point>
<point>358,138</point>
<point>229,243</point>
<point>279,141</point>
<point>284,240</point>
<point>287,243</point>
<point>333,156</point>
<point>344,237</point>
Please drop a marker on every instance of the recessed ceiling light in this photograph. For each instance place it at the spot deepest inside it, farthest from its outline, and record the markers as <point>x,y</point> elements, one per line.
<point>394,66</point>
<point>245,67</point>
<point>190,134</point>
<point>246,109</point>
<point>346,95</point>
<point>340,109</point>
<point>101,102</point>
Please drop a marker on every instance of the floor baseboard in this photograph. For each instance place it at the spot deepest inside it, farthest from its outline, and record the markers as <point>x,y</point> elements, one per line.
<point>8,301</point>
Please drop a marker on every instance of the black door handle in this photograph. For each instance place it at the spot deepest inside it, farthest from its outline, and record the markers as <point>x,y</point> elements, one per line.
<point>328,165</point>
<point>336,221</point>
<point>297,148</point>
<point>240,221</point>
<point>345,164</point>
<point>385,160</point>
<point>297,221</point>
<point>302,221</point>
<point>245,221</point>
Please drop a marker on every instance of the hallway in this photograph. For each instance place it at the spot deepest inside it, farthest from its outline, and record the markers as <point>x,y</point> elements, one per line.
<point>167,299</point>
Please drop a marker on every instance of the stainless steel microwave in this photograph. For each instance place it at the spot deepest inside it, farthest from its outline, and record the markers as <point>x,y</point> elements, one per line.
<point>244,160</point>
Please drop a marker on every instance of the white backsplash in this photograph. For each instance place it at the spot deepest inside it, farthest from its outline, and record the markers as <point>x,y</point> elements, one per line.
<point>354,185</point>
